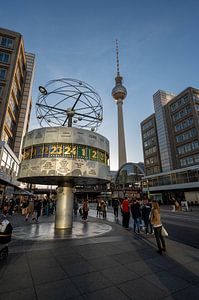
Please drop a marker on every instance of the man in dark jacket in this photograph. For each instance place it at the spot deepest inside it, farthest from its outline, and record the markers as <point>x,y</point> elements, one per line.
<point>136,215</point>
<point>115,205</point>
<point>146,211</point>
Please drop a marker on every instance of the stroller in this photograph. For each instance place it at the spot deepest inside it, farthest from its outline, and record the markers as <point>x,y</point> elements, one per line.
<point>5,237</point>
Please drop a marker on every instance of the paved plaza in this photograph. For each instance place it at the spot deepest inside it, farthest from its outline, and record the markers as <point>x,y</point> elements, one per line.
<point>95,260</point>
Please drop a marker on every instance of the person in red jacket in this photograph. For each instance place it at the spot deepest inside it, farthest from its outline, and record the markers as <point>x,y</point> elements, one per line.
<point>85,208</point>
<point>125,212</point>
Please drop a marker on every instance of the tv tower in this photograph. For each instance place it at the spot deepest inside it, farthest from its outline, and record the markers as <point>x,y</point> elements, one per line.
<point>119,93</point>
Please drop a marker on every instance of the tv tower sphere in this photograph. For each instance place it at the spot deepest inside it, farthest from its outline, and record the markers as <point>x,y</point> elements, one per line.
<point>119,92</point>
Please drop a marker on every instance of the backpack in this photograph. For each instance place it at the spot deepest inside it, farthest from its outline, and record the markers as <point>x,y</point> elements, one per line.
<point>6,227</point>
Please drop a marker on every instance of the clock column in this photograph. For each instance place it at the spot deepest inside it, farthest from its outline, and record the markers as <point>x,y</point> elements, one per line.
<point>64,207</point>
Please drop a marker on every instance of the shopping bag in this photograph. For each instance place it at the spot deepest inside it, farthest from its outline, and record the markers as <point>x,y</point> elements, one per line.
<point>164,232</point>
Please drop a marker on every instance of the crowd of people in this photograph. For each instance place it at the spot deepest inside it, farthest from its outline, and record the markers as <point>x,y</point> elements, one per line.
<point>146,216</point>
<point>145,213</point>
<point>31,208</point>
<point>35,207</point>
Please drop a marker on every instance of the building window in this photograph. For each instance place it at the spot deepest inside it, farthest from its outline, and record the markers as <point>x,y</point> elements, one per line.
<point>1,90</point>
<point>151,161</point>
<point>195,97</point>
<point>150,150</point>
<point>179,103</point>
<point>196,107</point>
<point>6,42</point>
<point>182,113</point>
<point>184,124</point>
<point>189,160</point>
<point>13,127</point>
<point>4,156</point>
<point>196,158</point>
<point>149,133</point>
<point>18,95</point>
<point>5,137</point>
<point>147,125</point>
<point>149,142</point>
<point>14,88</point>
<point>2,73</point>
<point>4,57</point>
<point>188,147</point>
<point>8,120</point>
<point>186,135</point>
<point>13,106</point>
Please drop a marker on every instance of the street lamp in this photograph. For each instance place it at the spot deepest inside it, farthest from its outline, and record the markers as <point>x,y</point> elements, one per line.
<point>43,90</point>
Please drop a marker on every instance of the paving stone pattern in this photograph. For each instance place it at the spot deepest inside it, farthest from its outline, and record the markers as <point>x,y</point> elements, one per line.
<point>117,265</point>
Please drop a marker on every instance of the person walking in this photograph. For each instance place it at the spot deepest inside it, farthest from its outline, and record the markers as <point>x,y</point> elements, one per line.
<point>24,206</point>
<point>30,209</point>
<point>38,208</point>
<point>136,215</point>
<point>85,209</point>
<point>75,208</point>
<point>157,226</point>
<point>125,213</point>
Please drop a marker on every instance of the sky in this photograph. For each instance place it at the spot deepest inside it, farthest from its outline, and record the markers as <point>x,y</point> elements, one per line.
<point>158,49</point>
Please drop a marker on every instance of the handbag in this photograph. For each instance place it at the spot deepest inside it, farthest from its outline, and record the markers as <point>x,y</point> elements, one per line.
<point>164,232</point>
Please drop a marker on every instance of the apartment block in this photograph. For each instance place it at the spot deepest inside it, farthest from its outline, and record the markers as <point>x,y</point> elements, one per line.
<point>16,78</point>
<point>171,145</point>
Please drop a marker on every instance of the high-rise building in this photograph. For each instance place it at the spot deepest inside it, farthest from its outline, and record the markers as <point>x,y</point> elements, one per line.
<point>119,93</point>
<point>16,78</point>
<point>171,145</point>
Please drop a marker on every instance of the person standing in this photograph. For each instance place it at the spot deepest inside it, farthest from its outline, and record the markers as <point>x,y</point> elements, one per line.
<point>146,211</point>
<point>157,226</point>
<point>136,215</point>
<point>30,209</point>
<point>125,212</point>
<point>173,204</point>
<point>115,205</point>
<point>103,209</point>
<point>98,208</point>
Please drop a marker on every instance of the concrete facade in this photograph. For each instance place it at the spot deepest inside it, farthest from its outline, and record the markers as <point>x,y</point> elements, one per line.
<point>16,76</point>
<point>173,133</point>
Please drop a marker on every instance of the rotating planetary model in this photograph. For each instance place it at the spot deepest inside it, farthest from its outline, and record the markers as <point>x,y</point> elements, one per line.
<point>66,150</point>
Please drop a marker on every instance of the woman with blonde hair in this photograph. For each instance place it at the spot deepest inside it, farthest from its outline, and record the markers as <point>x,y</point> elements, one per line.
<point>157,226</point>
<point>30,209</point>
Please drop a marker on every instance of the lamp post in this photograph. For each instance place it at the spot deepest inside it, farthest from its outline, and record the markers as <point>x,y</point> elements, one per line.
<point>148,192</point>
<point>124,175</point>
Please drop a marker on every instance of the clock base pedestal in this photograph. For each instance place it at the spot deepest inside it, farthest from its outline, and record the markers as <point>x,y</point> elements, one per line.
<point>64,208</point>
